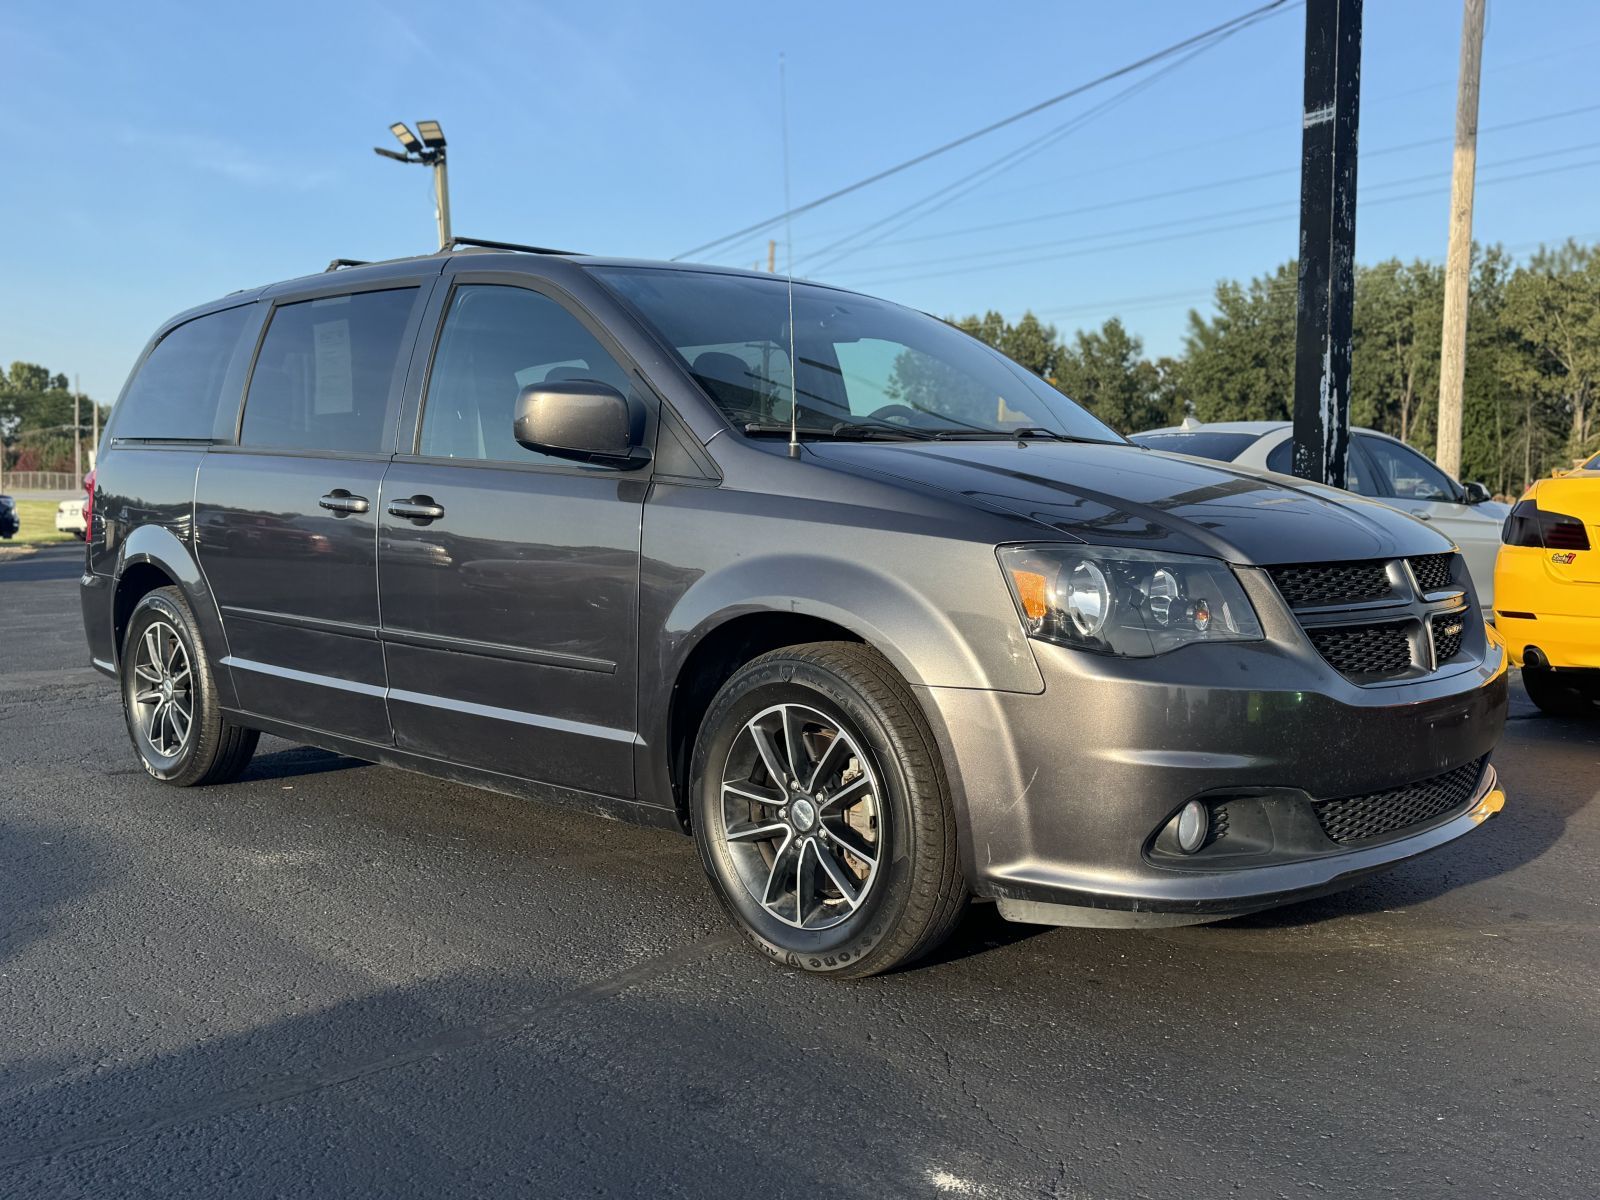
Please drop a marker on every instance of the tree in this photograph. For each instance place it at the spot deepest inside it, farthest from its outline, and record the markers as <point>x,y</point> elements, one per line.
<point>1239,363</point>
<point>1107,373</point>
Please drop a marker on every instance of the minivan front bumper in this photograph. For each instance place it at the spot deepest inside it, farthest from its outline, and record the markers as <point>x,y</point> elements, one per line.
<point>1064,793</point>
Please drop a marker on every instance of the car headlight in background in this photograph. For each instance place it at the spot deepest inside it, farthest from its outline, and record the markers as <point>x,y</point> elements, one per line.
<point>1133,603</point>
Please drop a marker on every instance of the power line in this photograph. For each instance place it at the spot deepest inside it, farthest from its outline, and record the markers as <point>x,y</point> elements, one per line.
<point>997,166</point>
<point>1206,232</point>
<point>1275,205</point>
<point>1211,185</point>
<point>1081,88</point>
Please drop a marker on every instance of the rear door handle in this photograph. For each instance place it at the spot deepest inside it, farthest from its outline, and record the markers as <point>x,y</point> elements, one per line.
<point>421,509</point>
<point>341,502</point>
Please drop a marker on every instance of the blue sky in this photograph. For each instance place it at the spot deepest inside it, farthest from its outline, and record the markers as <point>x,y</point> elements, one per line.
<point>163,153</point>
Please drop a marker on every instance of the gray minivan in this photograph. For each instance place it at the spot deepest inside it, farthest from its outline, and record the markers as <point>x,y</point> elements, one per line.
<point>884,621</point>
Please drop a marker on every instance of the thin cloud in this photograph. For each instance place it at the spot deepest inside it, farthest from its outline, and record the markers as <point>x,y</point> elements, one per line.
<point>229,160</point>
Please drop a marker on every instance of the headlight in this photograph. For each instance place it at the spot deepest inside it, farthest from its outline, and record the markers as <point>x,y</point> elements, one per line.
<point>1133,603</point>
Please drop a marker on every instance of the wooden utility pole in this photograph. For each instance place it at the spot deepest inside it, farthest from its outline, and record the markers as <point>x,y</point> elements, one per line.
<point>1458,259</point>
<point>772,256</point>
<point>77,428</point>
<point>1325,299</point>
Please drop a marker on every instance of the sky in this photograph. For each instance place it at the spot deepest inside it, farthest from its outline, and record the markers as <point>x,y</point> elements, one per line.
<point>163,153</point>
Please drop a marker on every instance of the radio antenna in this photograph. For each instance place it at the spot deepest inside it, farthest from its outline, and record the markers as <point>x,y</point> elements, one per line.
<point>788,265</point>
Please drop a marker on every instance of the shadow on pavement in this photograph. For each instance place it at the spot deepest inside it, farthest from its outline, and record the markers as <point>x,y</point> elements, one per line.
<point>41,873</point>
<point>299,761</point>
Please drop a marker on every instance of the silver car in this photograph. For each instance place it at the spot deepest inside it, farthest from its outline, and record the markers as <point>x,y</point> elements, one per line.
<point>1382,468</point>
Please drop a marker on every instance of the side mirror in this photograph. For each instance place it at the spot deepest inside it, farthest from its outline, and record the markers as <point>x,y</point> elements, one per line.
<point>579,418</point>
<point>1476,493</point>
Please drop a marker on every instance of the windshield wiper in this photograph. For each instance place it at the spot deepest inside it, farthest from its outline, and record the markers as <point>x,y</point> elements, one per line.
<point>1025,433</point>
<point>844,431</point>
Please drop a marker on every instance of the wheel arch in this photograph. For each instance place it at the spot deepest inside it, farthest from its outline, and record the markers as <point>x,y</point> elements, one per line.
<point>154,557</point>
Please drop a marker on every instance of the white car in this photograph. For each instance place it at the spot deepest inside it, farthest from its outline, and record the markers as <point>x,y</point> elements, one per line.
<point>1382,468</point>
<point>69,518</point>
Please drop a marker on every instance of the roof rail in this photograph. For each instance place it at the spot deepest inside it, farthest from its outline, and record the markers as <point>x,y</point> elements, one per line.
<point>344,262</point>
<point>485,244</point>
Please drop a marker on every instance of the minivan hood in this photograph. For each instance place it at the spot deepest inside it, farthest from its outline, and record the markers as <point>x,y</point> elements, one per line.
<point>1122,495</point>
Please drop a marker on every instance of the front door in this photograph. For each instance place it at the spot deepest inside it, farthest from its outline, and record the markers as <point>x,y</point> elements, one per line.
<point>287,520</point>
<point>509,578</point>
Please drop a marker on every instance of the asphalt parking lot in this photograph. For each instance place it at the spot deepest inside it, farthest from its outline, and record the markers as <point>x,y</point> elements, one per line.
<point>333,979</point>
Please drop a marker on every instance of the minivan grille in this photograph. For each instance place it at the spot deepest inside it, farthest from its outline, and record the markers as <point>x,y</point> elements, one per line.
<point>1317,584</point>
<point>1432,571</point>
<point>1364,649</point>
<point>1387,629</point>
<point>1448,630</point>
<point>1354,819</point>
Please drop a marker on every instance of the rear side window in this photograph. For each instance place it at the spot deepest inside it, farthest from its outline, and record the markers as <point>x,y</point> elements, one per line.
<point>1281,460</point>
<point>1223,447</point>
<point>326,371</point>
<point>179,386</point>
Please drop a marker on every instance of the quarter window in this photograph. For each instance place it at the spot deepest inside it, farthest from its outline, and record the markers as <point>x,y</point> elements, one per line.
<point>1281,460</point>
<point>325,373</point>
<point>1406,474</point>
<point>178,389</point>
<point>496,341</point>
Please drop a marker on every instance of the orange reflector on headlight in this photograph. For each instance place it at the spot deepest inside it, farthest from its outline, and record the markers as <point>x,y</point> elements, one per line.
<point>1033,590</point>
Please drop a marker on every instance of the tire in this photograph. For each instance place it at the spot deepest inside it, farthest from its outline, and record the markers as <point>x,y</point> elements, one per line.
<point>205,749</point>
<point>1558,694</point>
<point>868,839</point>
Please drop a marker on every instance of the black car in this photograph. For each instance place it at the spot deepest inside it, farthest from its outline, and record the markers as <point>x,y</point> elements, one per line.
<point>10,523</point>
<point>885,631</point>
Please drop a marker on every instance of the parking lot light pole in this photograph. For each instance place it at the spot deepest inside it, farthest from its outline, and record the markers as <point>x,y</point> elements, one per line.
<point>1325,303</point>
<point>428,149</point>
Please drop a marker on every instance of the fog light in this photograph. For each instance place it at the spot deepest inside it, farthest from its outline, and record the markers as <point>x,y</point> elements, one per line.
<point>1194,822</point>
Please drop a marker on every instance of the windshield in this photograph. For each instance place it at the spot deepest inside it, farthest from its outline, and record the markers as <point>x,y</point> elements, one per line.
<point>865,365</point>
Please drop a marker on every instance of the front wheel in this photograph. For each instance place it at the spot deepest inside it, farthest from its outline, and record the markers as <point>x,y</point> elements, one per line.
<point>822,812</point>
<point>169,698</point>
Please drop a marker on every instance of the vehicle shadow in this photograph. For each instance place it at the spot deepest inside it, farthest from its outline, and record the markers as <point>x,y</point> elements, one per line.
<point>1547,769</point>
<point>41,873</point>
<point>298,761</point>
<point>463,1086</point>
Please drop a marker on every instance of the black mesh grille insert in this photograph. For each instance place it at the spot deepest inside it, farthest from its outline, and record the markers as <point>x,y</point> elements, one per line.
<point>1364,649</point>
<point>1361,818</point>
<point>1317,584</point>
<point>1448,630</point>
<point>1432,571</point>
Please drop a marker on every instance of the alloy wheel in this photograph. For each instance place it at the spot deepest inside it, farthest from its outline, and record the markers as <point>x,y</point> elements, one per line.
<point>802,816</point>
<point>163,689</point>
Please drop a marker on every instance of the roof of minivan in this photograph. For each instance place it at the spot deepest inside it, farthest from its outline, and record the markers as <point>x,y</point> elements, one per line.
<point>492,259</point>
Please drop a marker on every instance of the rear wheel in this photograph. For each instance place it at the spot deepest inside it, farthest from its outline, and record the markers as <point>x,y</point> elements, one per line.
<point>822,812</point>
<point>1562,694</point>
<point>169,698</point>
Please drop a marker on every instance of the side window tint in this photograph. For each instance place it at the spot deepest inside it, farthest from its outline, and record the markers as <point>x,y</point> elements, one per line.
<point>496,341</point>
<point>1281,459</point>
<point>1408,475</point>
<point>179,387</point>
<point>323,378</point>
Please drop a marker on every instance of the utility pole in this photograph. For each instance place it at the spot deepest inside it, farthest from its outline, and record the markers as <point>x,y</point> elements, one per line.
<point>772,256</point>
<point>1325,300</point>
<point>94,450</point>
<point>77,429</point>
<point>1458,259</point>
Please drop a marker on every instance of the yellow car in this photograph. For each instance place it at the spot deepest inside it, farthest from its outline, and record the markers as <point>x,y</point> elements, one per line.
<point>1547,590</point>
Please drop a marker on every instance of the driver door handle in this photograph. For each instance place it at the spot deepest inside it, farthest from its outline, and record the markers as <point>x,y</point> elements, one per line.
<point>341,501</point>
<point>421,509</point>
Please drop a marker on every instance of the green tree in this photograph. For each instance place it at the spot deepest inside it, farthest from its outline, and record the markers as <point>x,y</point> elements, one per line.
<point>1239,362</point>
<point>1106,371</point>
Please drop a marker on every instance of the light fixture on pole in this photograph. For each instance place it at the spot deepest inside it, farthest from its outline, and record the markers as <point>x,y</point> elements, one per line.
<point>429,151</point>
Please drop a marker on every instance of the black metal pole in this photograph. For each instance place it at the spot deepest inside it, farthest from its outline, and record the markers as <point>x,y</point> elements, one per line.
<point>1326,295</point>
